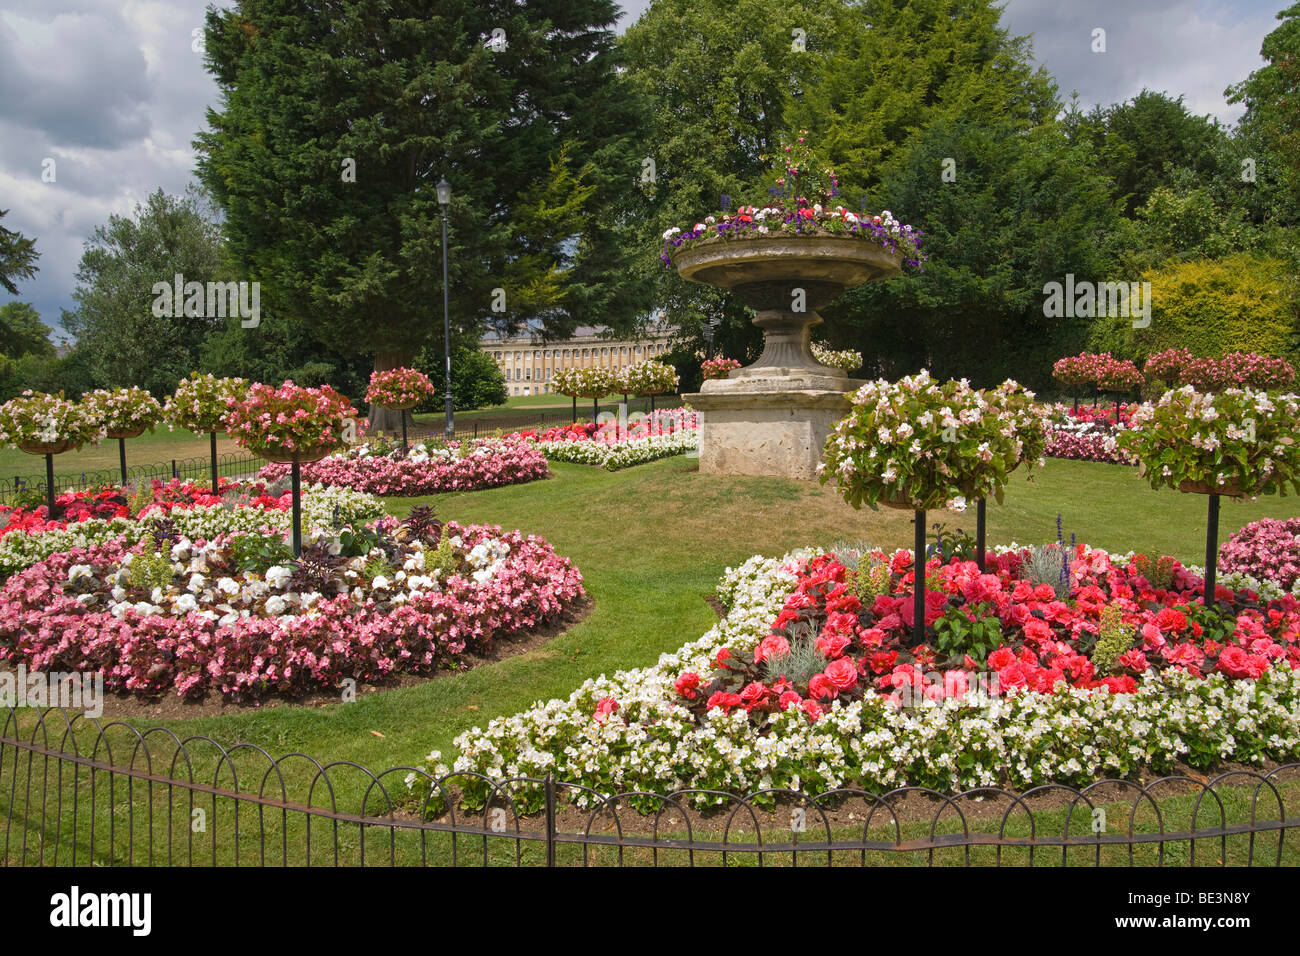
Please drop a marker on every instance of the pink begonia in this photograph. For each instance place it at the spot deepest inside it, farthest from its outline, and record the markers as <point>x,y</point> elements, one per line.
<point>488,463</point>
<point>1268,549</point>
<point>289,419</point>
<point>396,387</point>
<point>43,625</point>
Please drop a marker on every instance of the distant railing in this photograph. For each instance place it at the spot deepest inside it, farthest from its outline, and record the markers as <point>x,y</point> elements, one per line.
<point>74,791</point>
<point>231,465</point>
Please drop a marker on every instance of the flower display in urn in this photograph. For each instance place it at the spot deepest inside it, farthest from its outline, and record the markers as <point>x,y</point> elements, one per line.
<point>785,260</point>
<point>291,424</point>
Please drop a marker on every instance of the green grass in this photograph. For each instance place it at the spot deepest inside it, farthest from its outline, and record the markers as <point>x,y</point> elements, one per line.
<point>651,541</point>
<point>158,448</point>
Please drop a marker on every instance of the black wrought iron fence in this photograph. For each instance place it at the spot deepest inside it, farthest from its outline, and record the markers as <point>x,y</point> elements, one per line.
<point>230,465</point>
<point>76,791</point>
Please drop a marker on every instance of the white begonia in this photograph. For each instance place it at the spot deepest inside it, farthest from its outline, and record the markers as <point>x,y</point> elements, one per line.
<point>278,576</point>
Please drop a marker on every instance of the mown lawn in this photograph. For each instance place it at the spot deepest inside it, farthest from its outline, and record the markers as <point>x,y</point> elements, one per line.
<point>158,448</point>
<point>651,542</point>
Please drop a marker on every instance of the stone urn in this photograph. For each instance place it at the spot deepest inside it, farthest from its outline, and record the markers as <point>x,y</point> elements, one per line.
<point>773,417</point>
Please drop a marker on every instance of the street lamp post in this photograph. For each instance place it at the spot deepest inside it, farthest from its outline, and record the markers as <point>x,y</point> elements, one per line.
<point>444,200</point>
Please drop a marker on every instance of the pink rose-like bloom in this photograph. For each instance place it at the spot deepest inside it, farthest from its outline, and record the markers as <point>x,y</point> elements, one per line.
<point>822,687</point>
<point>604,708</point>
<point>772,647</point>
<point>843,673</point>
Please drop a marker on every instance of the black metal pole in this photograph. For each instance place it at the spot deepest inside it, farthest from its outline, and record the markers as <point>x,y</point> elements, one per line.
<point>595,410</point>
<point>979,532</point>
<point>121,457</point>
<point>213,439</point>
<point>918,587</point>
<point>1211,550</point>
<point>49,487</point>
<point>575,409</point>
<point>404,445</point>
<point>296,488</point>
<point>1076,399</point>
<point>446,331</point>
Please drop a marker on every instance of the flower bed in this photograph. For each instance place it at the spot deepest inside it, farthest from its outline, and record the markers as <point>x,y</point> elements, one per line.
<point>1166,681</point>
<point>622,454</point>
<point>240,616</point>
<point>614,445</point>
<point>185,509</point>
<point>1267,549</point>
<point>114,502</point>
<point>1090,434</point>
<point>426,469</point>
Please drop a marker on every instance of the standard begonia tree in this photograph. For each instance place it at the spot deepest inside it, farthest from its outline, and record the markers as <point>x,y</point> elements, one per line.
<point>1236,442</point>
<point>917,444</point>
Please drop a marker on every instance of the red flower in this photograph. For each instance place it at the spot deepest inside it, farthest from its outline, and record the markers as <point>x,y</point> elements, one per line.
<point>603,709</point>
<point>723,700</point>
<point>833,645</point>
<point>843,673</point>
<point>753,694</point>
<point>822,687</point>
<point>687,685</point>
<point>1002,657</point>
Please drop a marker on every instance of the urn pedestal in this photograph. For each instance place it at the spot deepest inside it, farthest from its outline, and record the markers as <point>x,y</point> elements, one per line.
<point>773,417</point>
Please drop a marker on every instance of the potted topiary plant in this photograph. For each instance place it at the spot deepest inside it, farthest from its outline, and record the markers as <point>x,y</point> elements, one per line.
<point>42,424</point>
<point>400,389</point>
<point>291,424</point>
<point>647,378</point>
<point>593,383</point>
<point>1119,376</point>
<point>917,444</point>
<point>1234,443</point>
<point>124,413</point>
<point>200,403</point>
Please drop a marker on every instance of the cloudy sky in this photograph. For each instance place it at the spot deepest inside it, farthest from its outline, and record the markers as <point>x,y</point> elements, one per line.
<point>113,91</point>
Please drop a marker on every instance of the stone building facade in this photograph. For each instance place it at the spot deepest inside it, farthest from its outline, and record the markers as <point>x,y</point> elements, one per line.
<point>528,363</point>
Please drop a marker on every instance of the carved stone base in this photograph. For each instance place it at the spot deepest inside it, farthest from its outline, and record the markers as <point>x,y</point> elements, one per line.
<point>769,426</point>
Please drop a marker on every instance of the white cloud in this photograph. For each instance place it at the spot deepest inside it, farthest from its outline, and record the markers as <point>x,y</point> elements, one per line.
<point>115,94</point>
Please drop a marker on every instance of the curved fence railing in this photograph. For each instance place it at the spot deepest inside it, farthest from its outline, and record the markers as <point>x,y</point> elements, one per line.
<point>229,465</point>
<point>77,791</point>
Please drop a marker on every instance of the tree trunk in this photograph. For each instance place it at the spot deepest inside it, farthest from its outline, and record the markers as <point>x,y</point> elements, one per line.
<point>389,420</point>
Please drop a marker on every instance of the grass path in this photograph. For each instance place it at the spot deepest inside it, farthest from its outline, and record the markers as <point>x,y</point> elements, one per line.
<point>651,541</point>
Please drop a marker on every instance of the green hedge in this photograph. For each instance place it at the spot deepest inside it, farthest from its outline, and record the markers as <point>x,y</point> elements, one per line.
<point>1210,307</point>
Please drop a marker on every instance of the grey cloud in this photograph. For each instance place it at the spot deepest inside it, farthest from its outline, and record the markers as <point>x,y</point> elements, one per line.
<point>78,78</point>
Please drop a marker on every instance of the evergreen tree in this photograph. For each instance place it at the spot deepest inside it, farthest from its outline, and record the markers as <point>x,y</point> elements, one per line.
<point>337,121</point>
